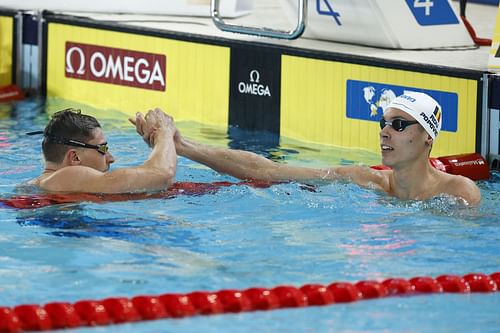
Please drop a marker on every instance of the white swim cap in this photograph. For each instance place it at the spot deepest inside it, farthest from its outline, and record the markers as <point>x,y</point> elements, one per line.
<point>422,107</point>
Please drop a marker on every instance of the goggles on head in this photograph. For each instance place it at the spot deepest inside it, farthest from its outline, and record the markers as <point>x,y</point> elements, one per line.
<point>398,124</point>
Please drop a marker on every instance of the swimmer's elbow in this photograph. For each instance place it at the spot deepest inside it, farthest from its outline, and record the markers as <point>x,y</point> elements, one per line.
<point>169,177</point>
<point>474,199</point>
<point>162,178</point>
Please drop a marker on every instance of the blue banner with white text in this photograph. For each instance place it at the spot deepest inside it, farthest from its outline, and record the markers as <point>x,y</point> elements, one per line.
<point>367,101</point>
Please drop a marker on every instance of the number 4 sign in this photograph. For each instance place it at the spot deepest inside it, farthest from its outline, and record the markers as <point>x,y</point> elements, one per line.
<point>324,7</point>
<point>427,4</point>
<point>432,12</point>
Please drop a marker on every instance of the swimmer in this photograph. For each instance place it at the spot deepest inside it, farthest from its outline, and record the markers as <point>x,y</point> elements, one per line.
<point>409,126</point>
<point>77,158</point>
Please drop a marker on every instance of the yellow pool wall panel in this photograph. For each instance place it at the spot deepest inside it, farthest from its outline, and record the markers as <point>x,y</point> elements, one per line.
<point>197,75</point>
<point>6,49</point>
<point>313,104</point>
<point>313,92</point>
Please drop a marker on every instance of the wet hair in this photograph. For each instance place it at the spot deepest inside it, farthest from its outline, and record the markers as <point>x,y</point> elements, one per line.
<point>66,124</point>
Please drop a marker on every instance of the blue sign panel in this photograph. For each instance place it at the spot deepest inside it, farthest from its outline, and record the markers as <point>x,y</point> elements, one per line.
<point>367,101</point>
<point>432,12</point>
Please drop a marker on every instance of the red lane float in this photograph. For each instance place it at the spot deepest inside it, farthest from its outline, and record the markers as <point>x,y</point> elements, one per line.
<point>10,93</point>
<point>472,166</point>
<point>115,310</point>
<point>179,188</point>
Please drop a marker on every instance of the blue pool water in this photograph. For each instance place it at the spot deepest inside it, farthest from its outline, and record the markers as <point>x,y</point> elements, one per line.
<point>241,237</point>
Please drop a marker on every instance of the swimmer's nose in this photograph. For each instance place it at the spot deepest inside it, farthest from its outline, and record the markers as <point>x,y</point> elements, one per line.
<point>384,132</point>
<point>109,158</point>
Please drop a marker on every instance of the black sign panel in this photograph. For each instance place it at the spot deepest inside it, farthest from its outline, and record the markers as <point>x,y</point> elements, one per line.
<point>494,93</point>
<point>254,102</point>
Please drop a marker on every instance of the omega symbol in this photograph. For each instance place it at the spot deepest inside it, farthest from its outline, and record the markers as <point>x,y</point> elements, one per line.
<point>254,76</point>
<point>69,65</point>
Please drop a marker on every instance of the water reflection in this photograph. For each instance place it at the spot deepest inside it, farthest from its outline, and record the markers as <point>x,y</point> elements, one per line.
<point>83,221</point>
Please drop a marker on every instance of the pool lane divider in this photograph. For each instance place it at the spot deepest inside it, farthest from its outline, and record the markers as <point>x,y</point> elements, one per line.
<point>180,188</point>
<point>116,310</point>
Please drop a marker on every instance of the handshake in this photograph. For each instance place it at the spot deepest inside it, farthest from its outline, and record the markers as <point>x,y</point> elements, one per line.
<point>154,125</point>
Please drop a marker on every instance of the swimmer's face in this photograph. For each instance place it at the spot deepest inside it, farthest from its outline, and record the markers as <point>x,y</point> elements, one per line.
<point>399,147</point>
<point>93,158</point>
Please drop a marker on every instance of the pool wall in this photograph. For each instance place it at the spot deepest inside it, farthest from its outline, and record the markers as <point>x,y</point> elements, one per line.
<point>313,96</point>
<point>7,37</point>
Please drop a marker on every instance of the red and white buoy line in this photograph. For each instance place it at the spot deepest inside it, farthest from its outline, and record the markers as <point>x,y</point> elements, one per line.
<point>116,310</point>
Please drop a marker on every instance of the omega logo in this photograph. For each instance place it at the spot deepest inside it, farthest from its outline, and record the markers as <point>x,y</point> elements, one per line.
<point>69,66</point>
<point>116,66</point>
<point>254,76</point>
<point>254,87</point>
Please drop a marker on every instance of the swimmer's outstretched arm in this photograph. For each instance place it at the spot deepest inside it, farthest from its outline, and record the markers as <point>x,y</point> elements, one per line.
<point>242,164</point>
<point>246,165</point>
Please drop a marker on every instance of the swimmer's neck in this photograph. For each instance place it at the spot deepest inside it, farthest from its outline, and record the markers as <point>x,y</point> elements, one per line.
<point>413,181</point>
<point>48,170</point>
<point>51,167</point>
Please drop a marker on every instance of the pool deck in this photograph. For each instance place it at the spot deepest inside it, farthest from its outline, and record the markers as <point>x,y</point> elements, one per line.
<point>270,14</point>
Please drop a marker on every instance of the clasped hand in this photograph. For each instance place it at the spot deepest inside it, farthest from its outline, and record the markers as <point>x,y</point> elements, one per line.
<point>150,125</point>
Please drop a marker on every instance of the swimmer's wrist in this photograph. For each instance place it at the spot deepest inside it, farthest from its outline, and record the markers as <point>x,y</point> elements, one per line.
<point>180,146</point>
<point>162,132</point>
<point>156,135</point>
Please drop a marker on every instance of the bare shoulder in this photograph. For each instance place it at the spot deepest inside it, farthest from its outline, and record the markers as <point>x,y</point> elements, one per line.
<point>70,179</point>
<point>366,176</point>
<point>464,188</point>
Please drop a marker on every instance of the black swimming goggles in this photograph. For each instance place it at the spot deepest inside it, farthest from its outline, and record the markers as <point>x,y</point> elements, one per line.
<point>398,124</point>
<point>101,148</point>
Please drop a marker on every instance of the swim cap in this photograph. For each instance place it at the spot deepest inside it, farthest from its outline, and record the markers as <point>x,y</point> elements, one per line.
<point>422,107</point>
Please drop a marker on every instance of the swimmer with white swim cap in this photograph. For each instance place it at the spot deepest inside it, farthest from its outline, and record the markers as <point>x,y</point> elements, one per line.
<point>422,107</point>
<point>410,124</point>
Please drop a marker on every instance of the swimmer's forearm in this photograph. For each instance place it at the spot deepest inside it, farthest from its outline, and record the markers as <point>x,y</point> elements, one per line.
<point>237,163</point>
<point>163,158</point>
<point>247,165</point>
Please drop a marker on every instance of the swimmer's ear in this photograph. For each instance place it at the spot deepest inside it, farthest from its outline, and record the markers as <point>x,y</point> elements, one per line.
<point>73,157</point>
<point>429,141</point>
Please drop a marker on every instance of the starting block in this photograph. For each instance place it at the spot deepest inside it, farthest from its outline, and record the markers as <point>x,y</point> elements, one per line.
<point>401,24</point>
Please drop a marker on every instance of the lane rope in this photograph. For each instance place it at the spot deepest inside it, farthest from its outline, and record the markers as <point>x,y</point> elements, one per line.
<point>180,188</point>
<point>116,310</point>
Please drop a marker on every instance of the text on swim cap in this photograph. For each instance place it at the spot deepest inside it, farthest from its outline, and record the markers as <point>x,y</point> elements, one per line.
<point>411,99</point>
<point>432,123</point>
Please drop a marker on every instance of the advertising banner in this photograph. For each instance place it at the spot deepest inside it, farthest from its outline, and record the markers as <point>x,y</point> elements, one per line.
<point>132,72</point>
<point>348,101</point>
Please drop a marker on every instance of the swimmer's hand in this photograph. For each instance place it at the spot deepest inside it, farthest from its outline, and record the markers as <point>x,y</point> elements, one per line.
<point>154,122</point>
